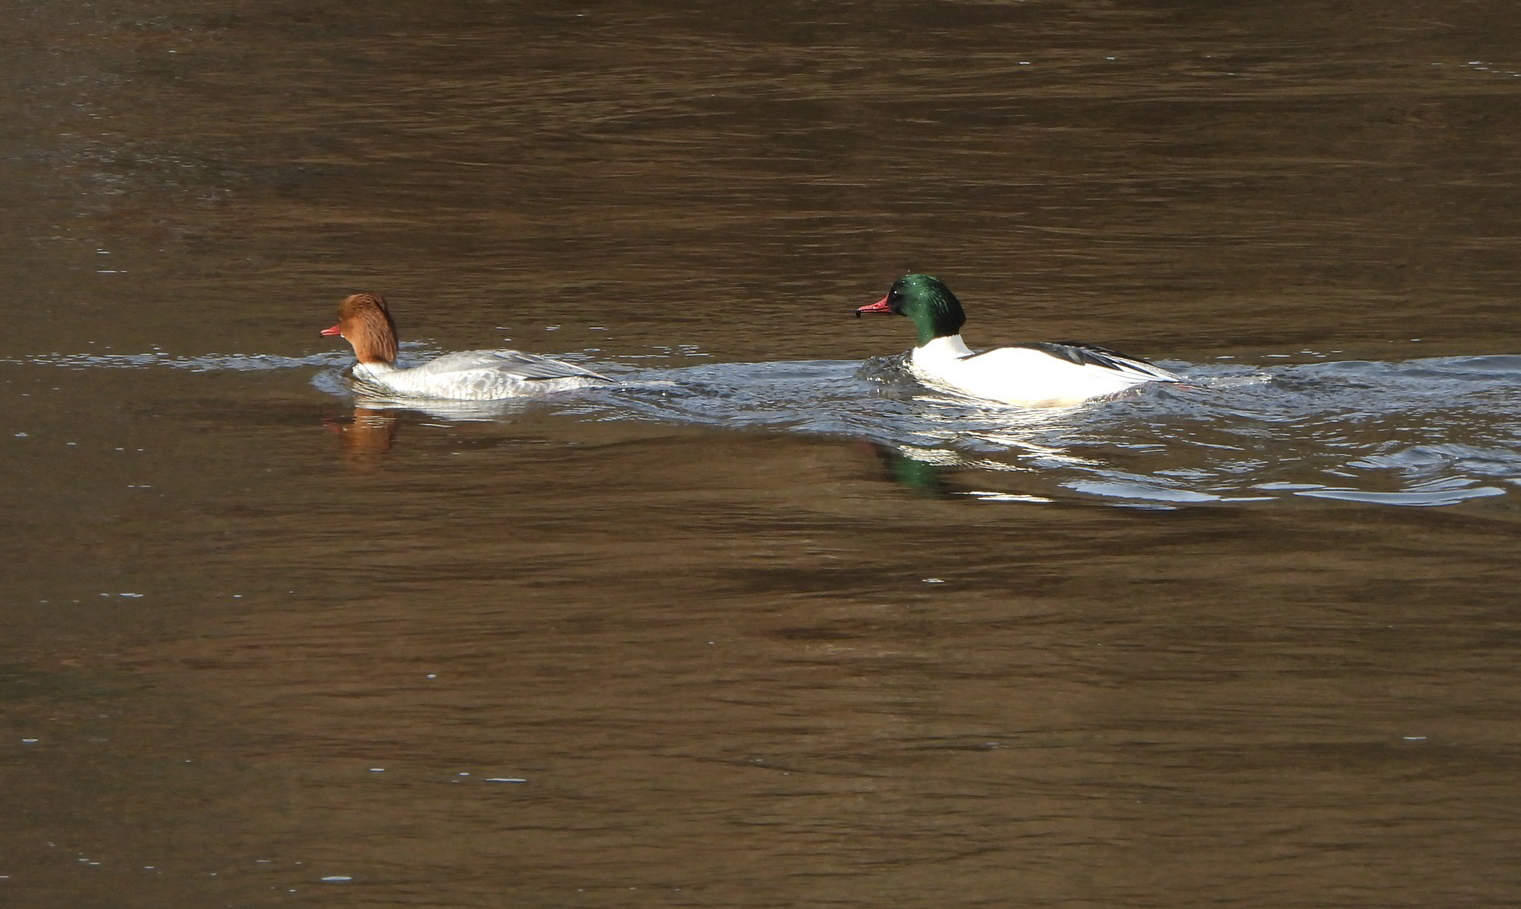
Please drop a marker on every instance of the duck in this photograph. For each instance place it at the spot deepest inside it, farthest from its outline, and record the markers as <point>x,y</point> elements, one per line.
<point>365,322</point>
<point>1035,374</point>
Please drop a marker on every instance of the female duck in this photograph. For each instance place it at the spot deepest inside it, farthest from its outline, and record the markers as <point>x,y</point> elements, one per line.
<point>470,375</point>
<point>1038,374</point>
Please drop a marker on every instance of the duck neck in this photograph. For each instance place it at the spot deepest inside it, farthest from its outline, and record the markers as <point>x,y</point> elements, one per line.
<point>375,368</point>
<point>948,347</point>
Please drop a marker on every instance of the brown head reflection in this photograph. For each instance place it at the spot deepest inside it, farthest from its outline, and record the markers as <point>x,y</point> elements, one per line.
<point>367,437</point>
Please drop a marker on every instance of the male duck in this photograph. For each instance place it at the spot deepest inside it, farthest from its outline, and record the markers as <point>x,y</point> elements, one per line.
<point>469,375</point>
<point>1037,374</point>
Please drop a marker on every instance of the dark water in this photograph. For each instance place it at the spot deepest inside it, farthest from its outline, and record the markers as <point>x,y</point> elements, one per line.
<point>766,625</point>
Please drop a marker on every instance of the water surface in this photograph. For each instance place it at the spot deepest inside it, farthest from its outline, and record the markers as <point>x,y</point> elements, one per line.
<point>769,624</point>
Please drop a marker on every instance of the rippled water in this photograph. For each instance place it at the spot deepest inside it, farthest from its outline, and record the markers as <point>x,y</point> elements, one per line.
<point>1432,431</point>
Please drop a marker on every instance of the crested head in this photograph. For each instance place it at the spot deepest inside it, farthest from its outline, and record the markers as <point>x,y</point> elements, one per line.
<point>366,323</point>
<point>935,311</point>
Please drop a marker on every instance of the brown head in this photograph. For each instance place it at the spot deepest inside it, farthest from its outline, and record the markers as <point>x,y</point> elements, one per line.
<point>364,322</point>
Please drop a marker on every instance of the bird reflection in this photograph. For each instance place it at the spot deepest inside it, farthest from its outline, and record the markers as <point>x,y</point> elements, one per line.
<point>929,472</point>
<point>366,438</point>
<point>915,474</point>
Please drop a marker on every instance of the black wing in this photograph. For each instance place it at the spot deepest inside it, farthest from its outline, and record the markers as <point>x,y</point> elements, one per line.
<point>1084,354</point>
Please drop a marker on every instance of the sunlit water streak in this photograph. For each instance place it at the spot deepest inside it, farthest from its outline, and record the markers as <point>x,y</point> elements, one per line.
<point>202,363</point>
<point>1435,431</point>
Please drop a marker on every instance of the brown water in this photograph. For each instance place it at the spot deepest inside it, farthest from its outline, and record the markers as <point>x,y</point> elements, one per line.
<point>763,626</point>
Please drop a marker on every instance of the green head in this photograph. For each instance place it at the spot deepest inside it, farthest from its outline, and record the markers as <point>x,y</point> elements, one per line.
<point>935,311</point>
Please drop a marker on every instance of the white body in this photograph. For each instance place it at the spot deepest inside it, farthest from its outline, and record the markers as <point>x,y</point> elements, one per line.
<point>475,375</point>
<point>1027,376</point>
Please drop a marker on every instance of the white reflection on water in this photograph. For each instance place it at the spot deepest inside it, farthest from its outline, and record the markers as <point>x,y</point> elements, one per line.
<point>1435,431</point>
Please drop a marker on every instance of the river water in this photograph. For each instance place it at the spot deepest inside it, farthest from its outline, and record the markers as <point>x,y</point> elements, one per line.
<point>766,624</point>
